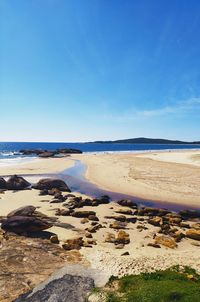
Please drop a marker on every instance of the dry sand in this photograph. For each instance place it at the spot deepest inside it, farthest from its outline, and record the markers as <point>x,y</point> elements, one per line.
<point>161,176</point>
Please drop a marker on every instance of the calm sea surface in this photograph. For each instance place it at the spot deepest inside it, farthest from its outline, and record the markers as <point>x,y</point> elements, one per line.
<point>11,149</point>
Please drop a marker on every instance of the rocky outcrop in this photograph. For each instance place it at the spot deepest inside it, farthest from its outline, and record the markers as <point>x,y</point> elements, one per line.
<point>25,220</point>
<point>47,154</point>
<point>51,183</point>
<point>25,224</point>
<point>17,183</point>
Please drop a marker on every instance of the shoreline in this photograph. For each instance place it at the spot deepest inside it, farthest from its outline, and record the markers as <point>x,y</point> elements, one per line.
<point>151,176</point>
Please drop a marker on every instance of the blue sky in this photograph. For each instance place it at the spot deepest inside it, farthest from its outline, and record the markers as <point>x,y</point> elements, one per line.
<point>79,70</point>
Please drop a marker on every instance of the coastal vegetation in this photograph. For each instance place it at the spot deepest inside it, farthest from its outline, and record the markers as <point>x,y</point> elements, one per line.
<point>181,284</point>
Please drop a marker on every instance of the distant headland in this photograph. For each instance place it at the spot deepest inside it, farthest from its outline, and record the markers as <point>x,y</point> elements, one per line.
<point>144,140</point>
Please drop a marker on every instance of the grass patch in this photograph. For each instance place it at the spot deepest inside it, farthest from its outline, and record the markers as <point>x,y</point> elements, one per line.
<point>172,285</point>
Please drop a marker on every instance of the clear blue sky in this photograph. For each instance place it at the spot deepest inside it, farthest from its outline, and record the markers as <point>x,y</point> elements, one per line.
<point>78,70</point>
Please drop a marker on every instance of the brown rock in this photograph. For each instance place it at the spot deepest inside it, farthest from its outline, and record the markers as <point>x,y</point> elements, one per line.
<point>118,225</point>
<point>93,218</point>
<point>73,244</point>
<point>127,203</point>
<point>154,245</point>
<point>83,214</point>
<point>124,211</point>
<point>122,238</point>
<point>84,220</point>
<point>156,221</point>
<point>110,238</point>
<point>166,241</point>
<point>193,234</point>
<point>54,239</point>
<point>63,212</point>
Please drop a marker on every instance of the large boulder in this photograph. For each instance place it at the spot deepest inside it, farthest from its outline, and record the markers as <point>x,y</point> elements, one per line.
<point>3,184</point>
<point>22,211</point>
<point>25,224</point>
<point>17,183</point>
<point>51,183</point>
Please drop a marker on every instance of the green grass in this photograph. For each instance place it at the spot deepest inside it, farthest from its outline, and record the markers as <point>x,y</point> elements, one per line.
<point>172,285</point>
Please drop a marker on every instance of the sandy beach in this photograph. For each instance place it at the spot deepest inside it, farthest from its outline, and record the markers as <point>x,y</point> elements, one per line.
<point>162,176</point>
<point>167,176</point>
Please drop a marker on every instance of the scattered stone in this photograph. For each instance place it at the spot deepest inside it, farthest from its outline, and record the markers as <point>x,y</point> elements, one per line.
<point>54,239</point>
<point>63,212</point>
<point>93,218</point>
<point>128,203</point>
<point>125,254</point>
<point>84,220</point>
<point>154,245</point>
<point>110,237</point>
<point>73,244</point>
<point>88,235</point>
<point>122,238</point>
<point>83,214</point>
<point>118,225</point>
<point>125,212</point>
<point>156,221</point>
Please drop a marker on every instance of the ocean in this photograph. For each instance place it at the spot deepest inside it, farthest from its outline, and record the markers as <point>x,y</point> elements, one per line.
<point>9,151</point>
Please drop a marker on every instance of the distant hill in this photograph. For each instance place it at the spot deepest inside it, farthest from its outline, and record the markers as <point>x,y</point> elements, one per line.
<point>144,140</point>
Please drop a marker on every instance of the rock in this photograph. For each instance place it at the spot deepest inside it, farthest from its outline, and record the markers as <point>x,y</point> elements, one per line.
<point>63,212</point>
<point>3,184</point>
<point>73,287</point>
<point>84,220</point>
<point>196,226</point>
<point>127,203</point>
<point>122,238</point>
<point>43,192</point>
<point>166,241</point>
<point>23,211</point>
<point>178,235</point>
<point>54,239</point>
<point>47,154</point>
<point>187,214</point>
<point>118,225</point>
<point>50,183</point>
<point>121,218</point>
<point>110,238</point>
<point>73,244</point>
<point>94,228</point>
<point>17,183</point>
<point>88,235</point>
<point>54,191</point>
<point>125,254</point>
<point>119,246</point>
<point>93,218</point>
<point>193,234</point>
<point>83,214</point>
<point>148,211</point>
<point>25,224</point>
<point>68,151</point>
<point>154,245</point>
<point>124,212</point>
<point>156,221</point>
<point>184,225</point>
